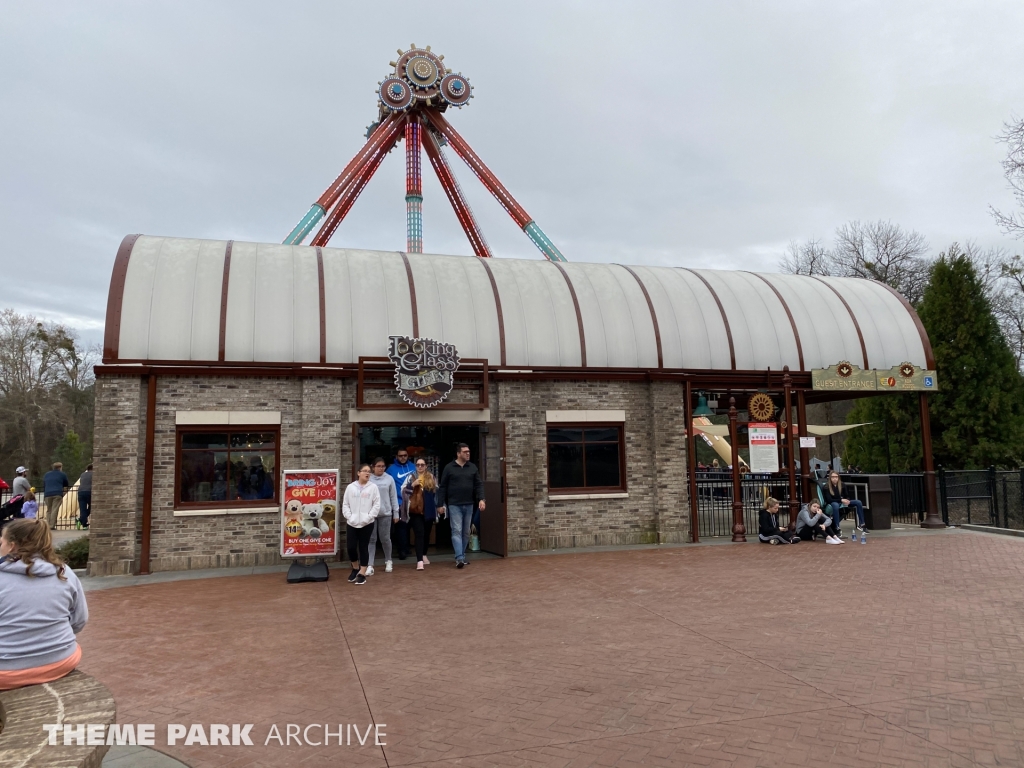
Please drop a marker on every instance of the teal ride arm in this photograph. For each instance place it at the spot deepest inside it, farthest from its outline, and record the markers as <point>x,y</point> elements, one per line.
<point>305,226</point>
<point>543,242</point>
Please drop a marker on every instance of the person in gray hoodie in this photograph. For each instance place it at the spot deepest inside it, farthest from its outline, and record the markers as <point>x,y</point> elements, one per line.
<point>389,508</point>
<point>813,522</point>
<point>42,608</point>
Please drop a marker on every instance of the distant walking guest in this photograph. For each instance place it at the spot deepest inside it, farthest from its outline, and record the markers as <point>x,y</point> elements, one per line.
<point>387,515</point>
<point>419,507</point>
<point>399,471</point>
<point>42,608</point>
<point>55,485</point>
<point>461,488</point>
<point>360,508</point>
<point>85,496</point>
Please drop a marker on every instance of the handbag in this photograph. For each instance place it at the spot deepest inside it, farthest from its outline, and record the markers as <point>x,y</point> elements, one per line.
<point>416,502</point>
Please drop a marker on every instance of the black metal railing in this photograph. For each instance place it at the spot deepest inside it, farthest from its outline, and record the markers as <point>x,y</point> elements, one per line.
<point>982,497</point>
<point>908,505</point>
<point>714,500</point>
<point>68,514</point>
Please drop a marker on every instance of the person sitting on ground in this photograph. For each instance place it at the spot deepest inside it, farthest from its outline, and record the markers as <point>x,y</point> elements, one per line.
<point>30,507</point>
<point>42,608</point>
<point>812,522</point>
<point>768,525</point>
<point>832,491</point>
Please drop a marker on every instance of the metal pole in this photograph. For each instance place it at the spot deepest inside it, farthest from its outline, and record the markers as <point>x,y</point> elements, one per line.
<point>787,432</point>
<point>495,187</point>
<point>454,192</point>
<point>888,455</point>
<point>931,518</point>
<point>413,187</point>
<point>691,462</point>
<point>739,530</point>
<point>805,456</point>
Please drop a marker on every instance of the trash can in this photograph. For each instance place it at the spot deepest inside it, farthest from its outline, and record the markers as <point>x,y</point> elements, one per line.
<point>879,515</point>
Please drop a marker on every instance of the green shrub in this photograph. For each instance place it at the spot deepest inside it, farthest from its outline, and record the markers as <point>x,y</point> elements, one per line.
<point>75,552</point>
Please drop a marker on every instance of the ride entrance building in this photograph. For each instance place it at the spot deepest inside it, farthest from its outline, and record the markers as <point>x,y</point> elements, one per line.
<point>573,383</point>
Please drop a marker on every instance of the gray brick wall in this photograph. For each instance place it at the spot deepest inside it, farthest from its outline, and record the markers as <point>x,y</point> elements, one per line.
<point>315,432</point>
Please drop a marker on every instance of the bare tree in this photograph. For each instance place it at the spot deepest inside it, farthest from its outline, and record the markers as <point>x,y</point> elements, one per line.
<point>877,250</point>
<point>810,258</point>
<point>46,389</point>
<point>1013,169</point>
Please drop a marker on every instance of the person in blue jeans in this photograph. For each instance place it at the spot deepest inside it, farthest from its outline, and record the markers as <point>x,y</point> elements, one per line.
<point>460,490</point>
<point>834,501</point>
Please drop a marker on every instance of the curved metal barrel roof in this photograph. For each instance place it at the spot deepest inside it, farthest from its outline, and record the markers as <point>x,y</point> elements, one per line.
<point>187,300</point>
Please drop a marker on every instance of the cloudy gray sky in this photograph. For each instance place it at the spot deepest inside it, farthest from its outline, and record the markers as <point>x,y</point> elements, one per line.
<point>698,134</point>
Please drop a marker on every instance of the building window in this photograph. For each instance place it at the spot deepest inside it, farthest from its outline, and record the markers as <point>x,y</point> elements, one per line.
<point>227,468</point>
<point>586,457</point>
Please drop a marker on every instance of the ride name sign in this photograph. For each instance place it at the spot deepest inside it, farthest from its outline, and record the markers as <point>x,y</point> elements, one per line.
<point>424,369</point>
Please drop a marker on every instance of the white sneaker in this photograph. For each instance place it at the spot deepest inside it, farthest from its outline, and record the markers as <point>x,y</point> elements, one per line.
<point>388,567</point>
<point>841,541</point>
<point>832,540</point>
<point>369,570</point>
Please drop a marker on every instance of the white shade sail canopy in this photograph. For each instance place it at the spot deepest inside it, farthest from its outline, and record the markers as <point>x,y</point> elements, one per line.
<point>185,300</point>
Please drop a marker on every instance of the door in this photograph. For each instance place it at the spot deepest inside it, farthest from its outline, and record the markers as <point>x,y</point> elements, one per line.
<point>493,520</point>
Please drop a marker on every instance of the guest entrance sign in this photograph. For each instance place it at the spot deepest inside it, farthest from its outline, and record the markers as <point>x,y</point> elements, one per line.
<point>424,369</point>
<point>309,512</point>
<point>764,447</point>
<point>844,376</point>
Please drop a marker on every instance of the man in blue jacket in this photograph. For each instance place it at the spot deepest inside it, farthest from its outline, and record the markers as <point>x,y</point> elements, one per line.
<point>55,483</point>
<point>399,470</point>
<point>460,488</point>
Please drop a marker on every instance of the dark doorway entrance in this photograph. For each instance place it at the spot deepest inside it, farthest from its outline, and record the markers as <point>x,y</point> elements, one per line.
<point>436,444</point>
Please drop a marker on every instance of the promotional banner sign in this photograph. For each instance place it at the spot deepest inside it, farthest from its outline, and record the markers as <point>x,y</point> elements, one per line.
<point>309,512</point>
<point>424,369</point>
<point>764,447</point>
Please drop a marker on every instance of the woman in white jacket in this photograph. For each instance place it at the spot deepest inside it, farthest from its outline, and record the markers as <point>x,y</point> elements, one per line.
<point>360,508</point>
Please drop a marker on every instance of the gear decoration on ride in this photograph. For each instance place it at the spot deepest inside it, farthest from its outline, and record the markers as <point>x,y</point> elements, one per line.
<point>395,94</point>
<point>421,71</point>
<point>761,407</point>
<point>456,90</point>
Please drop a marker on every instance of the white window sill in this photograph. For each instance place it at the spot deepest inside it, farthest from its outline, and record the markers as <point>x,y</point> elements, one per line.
<point>586,496</point>
<point>232,511</point>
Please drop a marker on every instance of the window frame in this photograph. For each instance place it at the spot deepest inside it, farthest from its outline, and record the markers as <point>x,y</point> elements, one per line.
<point>587,489</point>
<point>227,429</point>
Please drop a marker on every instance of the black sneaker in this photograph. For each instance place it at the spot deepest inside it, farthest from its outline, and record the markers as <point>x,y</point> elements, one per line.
<point>352,576</point>
<point>360,579</point>
<point>460,564</point>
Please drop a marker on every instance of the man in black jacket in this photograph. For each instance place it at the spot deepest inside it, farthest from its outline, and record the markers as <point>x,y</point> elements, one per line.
<point>460,488</point>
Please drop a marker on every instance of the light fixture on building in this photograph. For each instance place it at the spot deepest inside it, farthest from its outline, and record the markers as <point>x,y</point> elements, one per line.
<point>702,407</point>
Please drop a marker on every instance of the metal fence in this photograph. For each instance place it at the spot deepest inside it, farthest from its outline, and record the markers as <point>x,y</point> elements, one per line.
<point>714,500</point>
<point>982,497</point>
<point>68,514</point>
<point>907,498</point>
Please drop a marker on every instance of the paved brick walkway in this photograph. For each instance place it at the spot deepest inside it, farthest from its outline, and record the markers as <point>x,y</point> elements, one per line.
<point>906,652</point>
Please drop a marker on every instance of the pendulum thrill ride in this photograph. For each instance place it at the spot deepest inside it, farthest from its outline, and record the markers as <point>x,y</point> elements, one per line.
<point>412,105</point>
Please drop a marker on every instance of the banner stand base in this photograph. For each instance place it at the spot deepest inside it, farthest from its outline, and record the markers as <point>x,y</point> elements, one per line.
<point>301,572</point>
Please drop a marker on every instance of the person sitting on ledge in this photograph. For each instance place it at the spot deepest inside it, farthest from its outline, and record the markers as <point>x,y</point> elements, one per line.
<point>768,525</point>
<point>812,522</point>
<point>42,608</point>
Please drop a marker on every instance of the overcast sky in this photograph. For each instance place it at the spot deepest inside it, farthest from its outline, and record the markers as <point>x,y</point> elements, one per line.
<point>696,134</point>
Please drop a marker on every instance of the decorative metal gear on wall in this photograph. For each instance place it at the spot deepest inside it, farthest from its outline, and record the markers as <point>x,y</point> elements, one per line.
<point>761,407</point>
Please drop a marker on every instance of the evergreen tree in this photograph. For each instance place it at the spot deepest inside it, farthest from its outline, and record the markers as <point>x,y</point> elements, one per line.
<point>977,415</point>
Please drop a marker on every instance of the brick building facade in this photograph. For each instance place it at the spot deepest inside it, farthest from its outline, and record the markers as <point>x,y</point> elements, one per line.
<point>225,363</point>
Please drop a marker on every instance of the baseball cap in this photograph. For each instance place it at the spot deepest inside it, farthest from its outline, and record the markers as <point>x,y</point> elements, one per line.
<point>19,470</point>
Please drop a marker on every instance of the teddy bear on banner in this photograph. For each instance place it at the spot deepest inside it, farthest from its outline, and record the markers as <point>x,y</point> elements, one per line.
<point>313,524</point>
